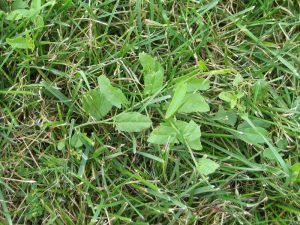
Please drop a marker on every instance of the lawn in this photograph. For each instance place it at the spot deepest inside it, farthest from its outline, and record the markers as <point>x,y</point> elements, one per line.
<point>149,112</point>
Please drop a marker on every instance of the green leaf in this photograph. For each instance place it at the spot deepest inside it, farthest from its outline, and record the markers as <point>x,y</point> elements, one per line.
<point>18,14</point>
<point>177,100</point>
<point>163,134</point>
<point>103,81</point>
<point>237,80</point>
<point>282,143</point>
<point>195,144</point>
<point>226,95</point>
<point>186,133</point>
<point>21,42</point>
<point>189,133</point>
<point>153,74</point>
<point>206,166</point>
<point>227,117</point>
<point>21,12</point>
<point>202,65</point>
<point>197,84</point>
<point>19,4</point>
<point>256,121</point>
<point>268,153</point>
<point>76,140</point>
<point>61,145</point>
<point>39,22</point>
<point>296,172</point>
<point>251,135</point>
<point>148,62</point>
<point>295,168</point>
<point>36,4</point>
<point>194,103</point>
<point>114,95</point>
<point>260,90</point>
<point>132,122</point>
<point>95,104</point>
<point>231,97</point>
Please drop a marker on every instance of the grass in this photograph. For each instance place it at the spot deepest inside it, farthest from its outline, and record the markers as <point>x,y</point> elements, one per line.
<point>60,164</point>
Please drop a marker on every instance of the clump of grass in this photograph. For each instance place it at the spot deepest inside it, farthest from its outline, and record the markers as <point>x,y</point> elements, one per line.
<point>149,112</point>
